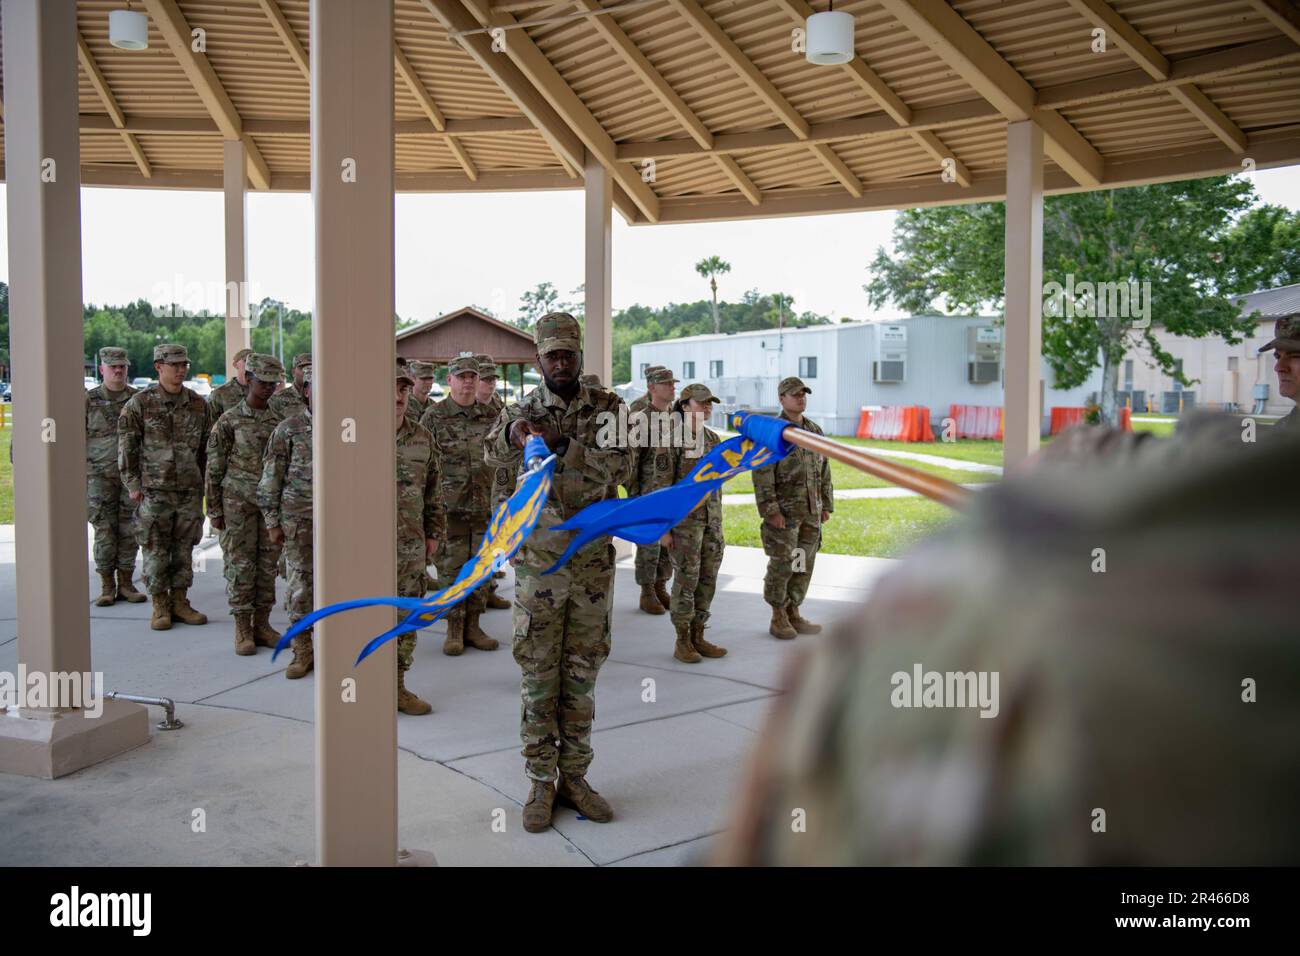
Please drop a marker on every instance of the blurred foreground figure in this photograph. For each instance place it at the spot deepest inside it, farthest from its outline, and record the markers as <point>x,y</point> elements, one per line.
<point>1135,599</point>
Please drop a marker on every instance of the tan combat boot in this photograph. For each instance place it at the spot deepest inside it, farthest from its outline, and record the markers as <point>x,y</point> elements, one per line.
<point>577,793</point>
<point>537,811</point>
<point>703,646</point>
<point>496,603</point>
<point>780,626</point>
<point>162,612</point>
<point>474,636</point>
<point>303,661</point>
<point>800,624</point>
<point>661,594</point>
<point>126,589</point>
<point>407,702</point>
<point>453,645</point>
<point>650,601</point>
<point>182,611</point>
<point>684,651</point>
<point>244,634</point>
<point>264,635</point>
<point>108,592</point>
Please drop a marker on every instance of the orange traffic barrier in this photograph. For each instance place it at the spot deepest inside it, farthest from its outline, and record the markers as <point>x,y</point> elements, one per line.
<point>977,421</point>
<point>897,423</point>
<point>1064,417</point>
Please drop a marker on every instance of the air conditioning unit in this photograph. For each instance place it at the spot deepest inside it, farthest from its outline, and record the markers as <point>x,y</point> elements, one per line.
<point>891,367</point>
<point>983,354</point>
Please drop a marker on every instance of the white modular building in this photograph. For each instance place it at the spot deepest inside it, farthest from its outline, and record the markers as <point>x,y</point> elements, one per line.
<point>930,360</point>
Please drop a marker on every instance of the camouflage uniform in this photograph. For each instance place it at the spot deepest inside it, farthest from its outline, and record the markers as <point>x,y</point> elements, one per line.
<point>1116,690</point>
<point>460,433</point>
<point>1286,338</point>
<point>108,503</point>
<point>420,515</point>
<point>561,621</point>
<point>162,442</point>
<point>697,538</point>
<point>229,394</point>
<point>236,454</point>
<point>651,466</point>
<point>284,495</point>
<point>502,479</point>
<point>799,487</point>
<point>290,401</point>
<point>416,406</point>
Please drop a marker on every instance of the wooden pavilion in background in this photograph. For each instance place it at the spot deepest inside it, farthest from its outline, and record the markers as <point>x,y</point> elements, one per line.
<point>468,329</point>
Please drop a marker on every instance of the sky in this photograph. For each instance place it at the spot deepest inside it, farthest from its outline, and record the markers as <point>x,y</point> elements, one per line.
<point>454,249</point>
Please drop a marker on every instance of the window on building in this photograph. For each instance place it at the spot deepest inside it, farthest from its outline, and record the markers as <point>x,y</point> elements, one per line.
<point>1232,363</point>
<point>807,366</point>
<point>688,370</point>
<point>715,368</point>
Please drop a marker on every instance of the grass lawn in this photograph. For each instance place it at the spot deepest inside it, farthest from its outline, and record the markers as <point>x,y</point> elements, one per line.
<point>1159,429</point>
<point>843,477</point>
<point>866,527</point>
<point>6,477</point>
<point>978,450</point>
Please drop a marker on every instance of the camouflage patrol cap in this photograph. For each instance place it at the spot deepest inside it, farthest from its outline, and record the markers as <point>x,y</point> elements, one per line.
<point>1286,335</point>
<point>404,375</point>
<point>590,379</point>
<point>109,355</point>
<point>170,352</point>
<point>659,374</point>
<point>792,386</point>
<point>420,369</point>
<point>557,331</point>
<point>699,392</point>
<point>464,362</point>
<point>265,368</point>
<point>241,356</point>
<point>487,365</point>
<point>302,360</point>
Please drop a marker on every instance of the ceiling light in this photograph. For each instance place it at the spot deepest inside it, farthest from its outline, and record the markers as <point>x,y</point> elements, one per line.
<point>830,38</point>
<point>128,29</point>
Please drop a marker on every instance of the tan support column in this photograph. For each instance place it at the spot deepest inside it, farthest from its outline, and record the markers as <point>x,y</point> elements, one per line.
<point>236,205</point>
<point>353,356</point>
<point>599,332</point>
<point>1024,292</point>
<point>43,171</point>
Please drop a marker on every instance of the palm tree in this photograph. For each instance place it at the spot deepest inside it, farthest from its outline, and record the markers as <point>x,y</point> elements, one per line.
<point>711,268</point>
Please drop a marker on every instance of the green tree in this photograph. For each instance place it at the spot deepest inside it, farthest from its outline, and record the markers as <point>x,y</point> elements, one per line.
<point>535,304</point>
<point>1175,236</point>
<point>710,268</point>
<point>1263,249</point>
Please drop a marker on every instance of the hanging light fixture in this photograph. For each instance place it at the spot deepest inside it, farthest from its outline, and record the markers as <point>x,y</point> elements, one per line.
<point>128,29</point>
<point>830,37</point>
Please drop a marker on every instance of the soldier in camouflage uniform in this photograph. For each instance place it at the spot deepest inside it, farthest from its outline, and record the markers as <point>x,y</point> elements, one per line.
<point>1117,687</point>
<point>422,372</point>
<point>108,504</point>
<point>290,401</point>
<point>1286,345</point>
<point>236,454</point>
<point>696,543</point>
<point>162,443</point>
<point>226,396</point>
<point>503,479</point>
<point>795,499</point>
<point>421,523</point>
<point>284,495</point>
<point>651,465</point>
<point>459,425</point>
<point>561,621</point>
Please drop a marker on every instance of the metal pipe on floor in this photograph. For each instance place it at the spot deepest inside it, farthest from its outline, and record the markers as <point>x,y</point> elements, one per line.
<point>169,721</point>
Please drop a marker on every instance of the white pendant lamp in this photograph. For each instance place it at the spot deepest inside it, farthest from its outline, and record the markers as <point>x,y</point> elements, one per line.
<point>830,38</point>
<point>128,29</point>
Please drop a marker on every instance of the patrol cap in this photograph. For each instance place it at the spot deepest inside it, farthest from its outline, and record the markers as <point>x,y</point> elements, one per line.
<point>464,362</point>
<point>590,379</point>
<point>302,360</point>
<point>1286,335</point>
<point>793,386</point>
<point>659,374</point>
<point>170,352</point>
<point>110,355</point>
<point>557,331</point>
<point>403,375</point>
<point>242,355</point>
<point>420,369</point>
<point>487,365</point>
<point>700,392</point>
<point>265,368</point>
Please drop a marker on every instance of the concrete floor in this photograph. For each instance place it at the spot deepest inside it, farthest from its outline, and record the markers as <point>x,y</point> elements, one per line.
<point>245,756</point>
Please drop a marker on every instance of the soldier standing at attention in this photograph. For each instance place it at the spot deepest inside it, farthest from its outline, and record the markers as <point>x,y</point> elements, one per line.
<point>561,621</point>
<point>227,396</point>
<point>236,451</point>
<point>421,522</point>
<point>290,401</point>
<point>696,543</point>
<point>459,425</point>
<point>110,508</point>
<point>650,471</point>
<point>503,479</point>
<point>162,442</point>
<point>1286,347</point>
<point>422,372</point>
<point>284,495</point>
<point>795,499</point>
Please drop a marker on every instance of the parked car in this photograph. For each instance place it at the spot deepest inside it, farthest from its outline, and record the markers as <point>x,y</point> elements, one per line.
<point>141,382</point>
<point>91,382</point>
<point>200,386</point>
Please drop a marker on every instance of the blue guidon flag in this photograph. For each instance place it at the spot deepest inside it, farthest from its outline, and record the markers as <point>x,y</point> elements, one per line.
<point>645,518</point>
<point>512,523</point>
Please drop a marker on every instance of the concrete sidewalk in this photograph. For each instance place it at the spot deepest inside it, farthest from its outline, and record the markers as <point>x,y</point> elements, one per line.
<point>245,758</point>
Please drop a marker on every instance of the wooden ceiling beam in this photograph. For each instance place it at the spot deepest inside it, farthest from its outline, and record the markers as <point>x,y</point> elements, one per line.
<point>430,109</point>
<point>110,103</point>
<point>1214,119</point>
<point>1282,14</point>
<point>831,160</point>
<point>287,36</point>
<point>737,175</point>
